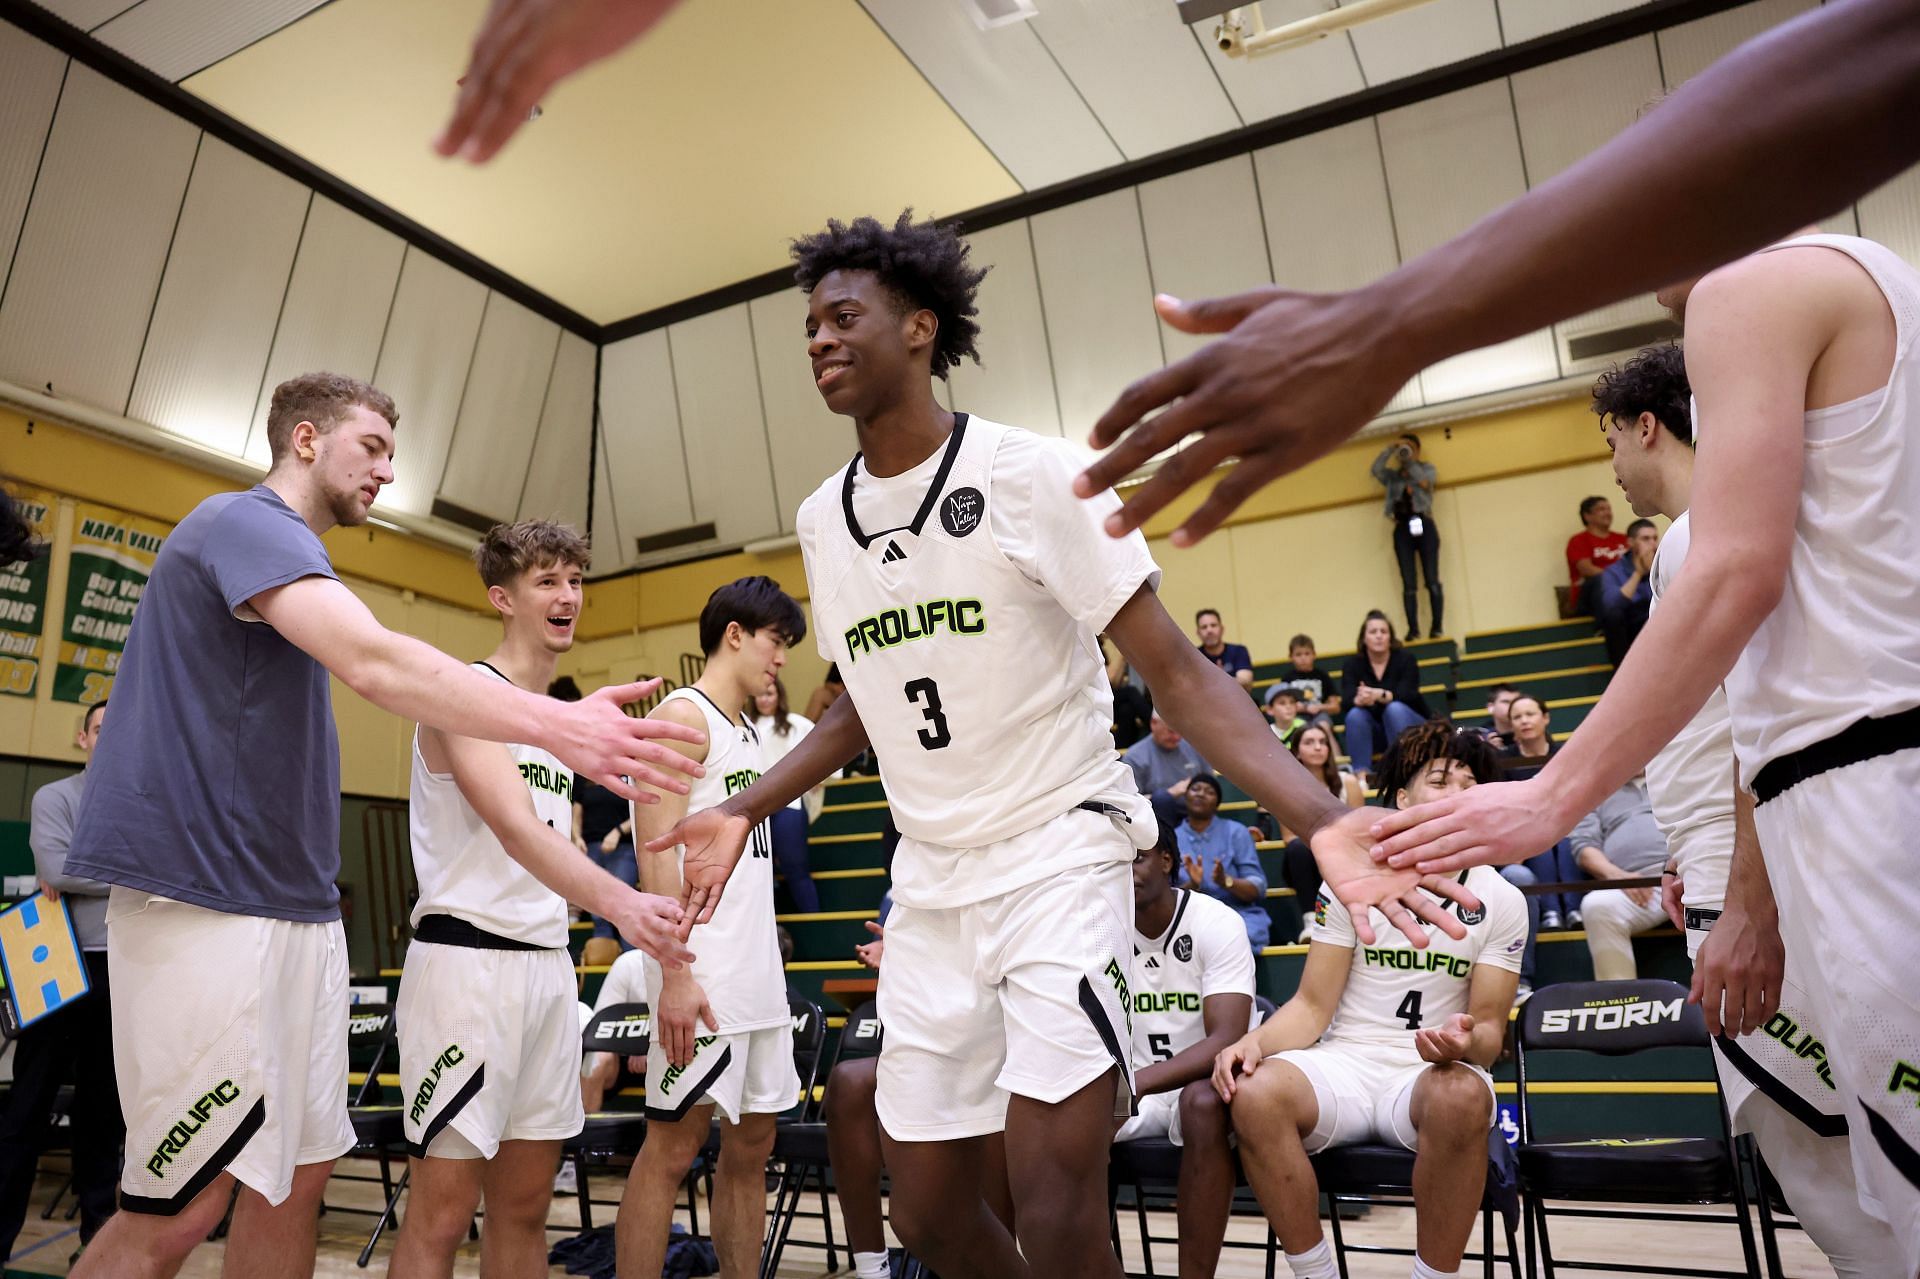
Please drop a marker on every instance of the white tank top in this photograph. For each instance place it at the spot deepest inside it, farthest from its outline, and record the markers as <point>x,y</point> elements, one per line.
<point>739,964</point>
<point>966,636</point>
<point>1691,780</point>
<point>462,869</point>
<point>1844,642</point>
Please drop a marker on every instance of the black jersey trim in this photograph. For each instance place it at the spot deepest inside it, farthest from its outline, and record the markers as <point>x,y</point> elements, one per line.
<point>497,671</point>
<point>1780,1093</point>
<point>742,722</point>
<point>1173,928</point>
<point>1901,1155</point>
<point>934,489</point>
<point>228,1151</point>
<point>695,1091</point>
<point>455,1104</point>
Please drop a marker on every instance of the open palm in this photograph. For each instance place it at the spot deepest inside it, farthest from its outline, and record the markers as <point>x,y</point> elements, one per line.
<point>1343,849</point>
<point>714,840</point>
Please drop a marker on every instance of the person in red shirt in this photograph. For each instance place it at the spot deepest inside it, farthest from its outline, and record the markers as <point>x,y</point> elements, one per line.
<point>1591,549</point>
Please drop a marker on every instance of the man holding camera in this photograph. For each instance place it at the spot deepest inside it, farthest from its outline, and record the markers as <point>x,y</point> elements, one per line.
<point>1409,485</point>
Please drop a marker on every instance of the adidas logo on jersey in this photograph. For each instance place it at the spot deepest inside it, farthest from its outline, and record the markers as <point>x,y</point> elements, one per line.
<point>1153,961</point>
<point>893,552</point>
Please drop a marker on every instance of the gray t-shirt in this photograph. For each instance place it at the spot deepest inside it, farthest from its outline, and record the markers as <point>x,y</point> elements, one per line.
<point>1155,770</point>
<point>220,782</point>
<point>1622,827</point>
<point>50,834</point>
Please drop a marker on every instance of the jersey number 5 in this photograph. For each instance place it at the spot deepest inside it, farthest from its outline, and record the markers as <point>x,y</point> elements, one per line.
<point>938,736</point>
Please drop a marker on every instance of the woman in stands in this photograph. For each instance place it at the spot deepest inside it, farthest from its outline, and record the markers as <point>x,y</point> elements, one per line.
<point>1528,751</point>
<point>1314,748</point>
<point>1531,744</point>
<point>1380,688</point>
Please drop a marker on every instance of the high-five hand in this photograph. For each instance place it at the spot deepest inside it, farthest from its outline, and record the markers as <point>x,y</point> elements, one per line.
<point>714,840</point>
<point>1341,848</point>
<point>596,738</point>
<point>1483,826</point>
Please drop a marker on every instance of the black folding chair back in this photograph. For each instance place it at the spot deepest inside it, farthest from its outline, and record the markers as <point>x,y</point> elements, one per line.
<point>1615,1019</point>
<point>621,1029</point>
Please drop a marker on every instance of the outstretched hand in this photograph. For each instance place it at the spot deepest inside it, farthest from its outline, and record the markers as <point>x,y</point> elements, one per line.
<point>1293,376</point>
<point>523,49</point>
<point>1449,1041</point>
<point>1482,826</point>
<point>714,840</point>
<point>1342,849</point>
<point>651,923</point>
<point>596,738</point>
<point>872,952</point>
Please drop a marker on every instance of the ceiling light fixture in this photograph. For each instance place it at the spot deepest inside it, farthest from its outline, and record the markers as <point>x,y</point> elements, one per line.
<point>988,14</point>
<point>1243,33</point>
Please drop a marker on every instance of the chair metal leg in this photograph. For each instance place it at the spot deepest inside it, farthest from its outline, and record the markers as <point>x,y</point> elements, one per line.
<point>1513,1248</point>
<point>1339,1240</point>
<point>1546,1244</point>
<point>1486,1242</point>
<point>1273,1252</point>
<point>1140,1214</point>
<point>693,1201</point>
<point>386,1214</point>
<point>779,1222</point>
<point>826,1223</point>
<point>583,1190</point>
<point>1747,1245</point>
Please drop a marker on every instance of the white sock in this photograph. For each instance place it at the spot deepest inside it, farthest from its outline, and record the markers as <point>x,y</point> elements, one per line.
<point>870,1265</point>
<point>1315,1263</point>
<point>1421,1270</point>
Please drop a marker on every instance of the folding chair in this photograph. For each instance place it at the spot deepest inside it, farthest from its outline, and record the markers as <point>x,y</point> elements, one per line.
<point>379,1128</point>
<point>1382,1174</point>
<point>622,1030</point>
<point>1616,1019</point>
<point>800,1136</point>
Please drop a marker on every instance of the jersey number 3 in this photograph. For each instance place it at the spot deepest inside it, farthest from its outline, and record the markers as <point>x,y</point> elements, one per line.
<point>925,694</point>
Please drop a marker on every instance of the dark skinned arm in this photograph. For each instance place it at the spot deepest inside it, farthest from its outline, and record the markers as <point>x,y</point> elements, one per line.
<point>1225,1017</point>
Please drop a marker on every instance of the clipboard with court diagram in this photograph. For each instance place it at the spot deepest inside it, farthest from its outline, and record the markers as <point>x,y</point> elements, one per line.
<point>39,961</point>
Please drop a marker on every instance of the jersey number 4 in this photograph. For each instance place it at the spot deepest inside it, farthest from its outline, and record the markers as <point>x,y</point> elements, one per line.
<point>1409,1010</point>
<point>925,694</point>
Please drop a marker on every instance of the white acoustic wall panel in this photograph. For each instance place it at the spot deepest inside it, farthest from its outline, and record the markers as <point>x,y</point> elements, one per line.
<point>556,480</point>
<point>1329,225</point>
<point>500,409</point>
<point>1436,35</point>
<point>199,376</point>
<point>1013,383</point>
<point>423,365</point>
<point>1524,20</point>
<point>1891,215</point>
<point>1005,85</point>
<point>94,242</point>
<point>1570,108</point>
<point>1204,237</point>
<point>1450,161</point>
<point>1138,67</point>
<point>1290,80</point>
<point>641,457</point>
<point>723,425</point>
<point>613,548</point>
<point>175,38</point>
<point>30,76</point>
<point>85,14</point>
<point>1092,259</point>
<point>335,311</point>
<point>1691,47</point>
<point>807,441</point>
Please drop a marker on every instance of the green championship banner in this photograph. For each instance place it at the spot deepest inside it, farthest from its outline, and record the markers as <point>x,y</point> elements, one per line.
<point>23,599</point>
<point>107,570</point>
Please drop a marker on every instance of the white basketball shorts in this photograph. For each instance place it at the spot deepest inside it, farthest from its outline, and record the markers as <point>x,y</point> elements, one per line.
<point>1365,1092</point>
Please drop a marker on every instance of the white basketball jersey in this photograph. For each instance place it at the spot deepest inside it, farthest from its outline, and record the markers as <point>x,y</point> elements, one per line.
<point>457,859</point>
<point>1843,644</point>
<point>739,964</point>
<point>966,636</point>
<point>1691,780</point>
<point>1203,952</point>
<point>1394,989</point>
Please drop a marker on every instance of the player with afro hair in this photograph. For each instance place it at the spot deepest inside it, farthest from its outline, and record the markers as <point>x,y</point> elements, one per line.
<point>923,265</point>
<point>1421,746</point>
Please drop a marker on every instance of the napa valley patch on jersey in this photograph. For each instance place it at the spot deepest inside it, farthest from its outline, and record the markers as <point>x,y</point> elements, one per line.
<point>1204,951</point>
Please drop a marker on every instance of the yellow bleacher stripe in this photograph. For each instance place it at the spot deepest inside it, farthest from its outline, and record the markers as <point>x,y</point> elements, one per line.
<point>1602,1087</point>
<point>823,965</point>
<point>1522,651</point>
<point>1560,622</point>
<point>824,916</point>
<point>1270,951</point>
<point>581,925</point>
<point>862,872</point>
<point>1280,892</point>
<point>850,781</point>
<point>1556,703</point>
<point>843,839</point>
<point>860,806</point>
<point>357,1077</point>
<point>1523,676</point>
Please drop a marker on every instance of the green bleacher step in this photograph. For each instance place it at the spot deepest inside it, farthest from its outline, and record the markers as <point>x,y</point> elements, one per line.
<point>1585,682</point>
<point>1525,636</point>
<point>1509,663</point>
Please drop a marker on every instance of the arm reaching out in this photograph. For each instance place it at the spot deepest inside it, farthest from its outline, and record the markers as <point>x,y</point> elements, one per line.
<point>1298,1023</point>
<point>715,837</point>
<point>417,681</point>
<point>1776,135</point>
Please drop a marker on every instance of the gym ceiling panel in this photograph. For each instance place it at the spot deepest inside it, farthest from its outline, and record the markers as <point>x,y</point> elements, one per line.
<point>94,243</point>
<point>30,77</point>
<point>804,438</point>
<point>500,409</point>
<point>425,353</point>
<point>556,483</point>
<point>1014,380</point>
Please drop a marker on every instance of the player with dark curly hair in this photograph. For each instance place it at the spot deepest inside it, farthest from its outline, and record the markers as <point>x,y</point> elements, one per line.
<point>17,542</point>
<point>960,590</point>
<point>1654,381</point>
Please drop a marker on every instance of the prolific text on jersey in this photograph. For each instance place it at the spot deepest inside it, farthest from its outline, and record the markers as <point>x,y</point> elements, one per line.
<point>894,626</point>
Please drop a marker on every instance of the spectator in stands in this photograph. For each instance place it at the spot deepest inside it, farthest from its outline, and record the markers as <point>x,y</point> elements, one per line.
<point>832,689</point>
<point>1314,749</point>
<point>603,830</point>
<point>1409,485</point>
<point>1499,700</point>
<point>1231,658</point>
<point>1132,708</point>
<point>1530,741</point>
<point>1527,751</point>
<point>1381,689</point>
<point>1319,690</point>
<point>1620,840</point>
<point>1163,763</point>
<point>1591,551</point>
<point>1283,705</point>
<point>1625,595</point>
<point>75,1043</point>
<point>780,731</point>
<point>1220,860</point>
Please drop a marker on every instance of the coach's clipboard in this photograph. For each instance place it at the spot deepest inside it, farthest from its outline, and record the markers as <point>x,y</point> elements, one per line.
<point>40,962</point>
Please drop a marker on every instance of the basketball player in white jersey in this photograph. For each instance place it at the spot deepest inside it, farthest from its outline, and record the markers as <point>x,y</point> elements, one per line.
<point>1769,1046</point>
<point>1192,999</point>
<point>1382,1043</point>
<point>489,1032</point>
<point>1799,592</point>
<point>959,588</point>
<point>722,1038</point>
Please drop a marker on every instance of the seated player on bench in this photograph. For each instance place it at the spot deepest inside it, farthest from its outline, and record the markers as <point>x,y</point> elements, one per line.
<point>1386,1043</point>
<point>1192,1001</point>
